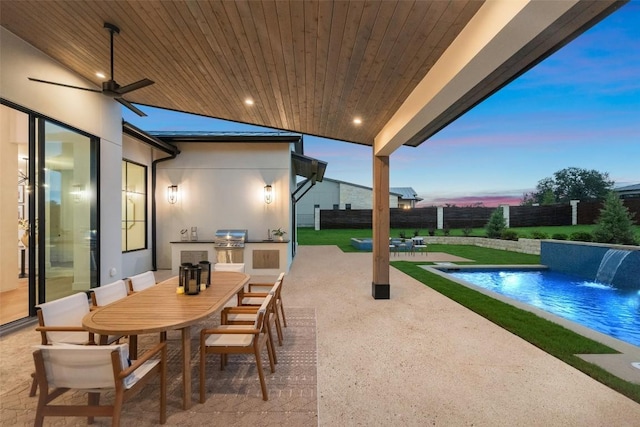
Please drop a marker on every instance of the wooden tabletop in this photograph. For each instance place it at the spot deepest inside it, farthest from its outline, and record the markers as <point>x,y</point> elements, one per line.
<point>159,308</point>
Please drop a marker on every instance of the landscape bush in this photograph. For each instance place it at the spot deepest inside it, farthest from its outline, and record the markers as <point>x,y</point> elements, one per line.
<point>539,235</point>
<point>581,236</point>
<point>615,223</point>
<point>496,224</point>
<point>466,232</point>
<point>559,236</point>
<point>509,235</point>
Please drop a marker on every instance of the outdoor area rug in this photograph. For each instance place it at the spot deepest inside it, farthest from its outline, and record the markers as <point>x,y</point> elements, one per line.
<point>233,396</point>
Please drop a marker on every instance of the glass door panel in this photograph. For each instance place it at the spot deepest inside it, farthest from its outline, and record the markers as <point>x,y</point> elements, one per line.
<point>68,221</point>
<point>14,214</point>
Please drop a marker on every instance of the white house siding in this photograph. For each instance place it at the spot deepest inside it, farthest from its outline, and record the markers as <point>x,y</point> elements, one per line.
<point>325,194</point>
<point>221,186</point>
<point>331,192</point>
<point>91,112</point>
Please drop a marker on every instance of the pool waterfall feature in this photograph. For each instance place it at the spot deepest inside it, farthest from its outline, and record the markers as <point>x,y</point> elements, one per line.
<point>616,265</point>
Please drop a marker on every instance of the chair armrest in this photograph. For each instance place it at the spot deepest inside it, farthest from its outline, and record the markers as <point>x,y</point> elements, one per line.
<point>229,331</point>
<point>261,285</point>
<point>242,309</point>
<point>255,294</point>
<point>61,329</point>
<point>139,362</point>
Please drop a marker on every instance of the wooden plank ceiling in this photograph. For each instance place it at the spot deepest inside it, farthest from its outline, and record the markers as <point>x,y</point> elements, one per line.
<point>309,66</point>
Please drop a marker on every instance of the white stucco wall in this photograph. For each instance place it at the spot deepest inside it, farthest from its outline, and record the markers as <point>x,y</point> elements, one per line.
<point>221,186</point>
<point>90,112</point>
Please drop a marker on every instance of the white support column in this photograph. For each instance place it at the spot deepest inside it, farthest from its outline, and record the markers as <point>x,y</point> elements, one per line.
<point>316,218</point>
<point>574,211</point>
<point>505,214</point>
<point>440,218</point>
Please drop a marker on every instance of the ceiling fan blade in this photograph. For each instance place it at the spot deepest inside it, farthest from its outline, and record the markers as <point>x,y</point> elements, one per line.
<point>64,85</point>
<point>130,106</point>
<point>135,86</point>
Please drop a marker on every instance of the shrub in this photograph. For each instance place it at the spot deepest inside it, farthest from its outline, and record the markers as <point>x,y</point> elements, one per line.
<point>539,235</point>
<point>509,235</point>
<point>416,232</point>
<point>559,236</point>
<point>403,235</point>
<point>581,236</point>
<point>466,232</point>
<point>432,231</point>
<point>615,223</point>
<point>496,224</point>
<point>446,229</point>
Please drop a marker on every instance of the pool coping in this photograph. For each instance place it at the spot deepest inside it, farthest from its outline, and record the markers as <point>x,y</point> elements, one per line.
<point>617,364</point>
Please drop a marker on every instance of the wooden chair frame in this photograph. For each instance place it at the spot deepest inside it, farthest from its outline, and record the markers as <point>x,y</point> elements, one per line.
<point>259,339</point>
<point>93,408</point>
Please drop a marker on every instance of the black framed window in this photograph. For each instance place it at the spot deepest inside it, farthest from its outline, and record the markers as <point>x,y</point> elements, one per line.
<point>134,206</point>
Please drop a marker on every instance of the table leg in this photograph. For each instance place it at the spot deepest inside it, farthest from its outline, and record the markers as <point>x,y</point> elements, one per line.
<point>133,347</point>
<point>186,367</point>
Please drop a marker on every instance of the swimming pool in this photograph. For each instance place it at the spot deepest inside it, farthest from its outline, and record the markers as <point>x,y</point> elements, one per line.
<point>604,308</point>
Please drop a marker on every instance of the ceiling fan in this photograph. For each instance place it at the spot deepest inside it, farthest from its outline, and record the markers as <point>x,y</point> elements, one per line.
<point>111,88</point>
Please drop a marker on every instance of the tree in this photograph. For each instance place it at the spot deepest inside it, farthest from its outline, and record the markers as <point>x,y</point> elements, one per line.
<point>570,184</point>
<point>615,223</point>
<point>496,224</point>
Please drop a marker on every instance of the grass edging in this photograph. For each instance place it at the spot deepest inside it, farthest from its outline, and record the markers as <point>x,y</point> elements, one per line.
<point>550,337</point>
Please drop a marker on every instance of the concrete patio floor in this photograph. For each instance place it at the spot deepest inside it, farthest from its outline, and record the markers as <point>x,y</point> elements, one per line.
<point>421,359</point>
<point>417,359</point>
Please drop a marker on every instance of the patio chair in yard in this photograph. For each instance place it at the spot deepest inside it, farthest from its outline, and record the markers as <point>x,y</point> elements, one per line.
<point>94,369</point>
<point>238,339</point>
<point>419,244</point>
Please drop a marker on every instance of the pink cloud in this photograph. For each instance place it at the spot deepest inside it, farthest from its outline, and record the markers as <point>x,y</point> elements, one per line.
<point>487,201</point>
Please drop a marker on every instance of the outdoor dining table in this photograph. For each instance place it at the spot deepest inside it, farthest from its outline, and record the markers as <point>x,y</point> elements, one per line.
<point>160,309</point>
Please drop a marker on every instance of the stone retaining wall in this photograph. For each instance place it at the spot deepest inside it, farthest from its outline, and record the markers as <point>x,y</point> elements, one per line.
<point>527,246</point>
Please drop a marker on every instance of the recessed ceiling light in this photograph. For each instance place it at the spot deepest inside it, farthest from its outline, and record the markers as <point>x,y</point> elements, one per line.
<point>357,121</point>
<point>101,75</point>
<point>248,101</point>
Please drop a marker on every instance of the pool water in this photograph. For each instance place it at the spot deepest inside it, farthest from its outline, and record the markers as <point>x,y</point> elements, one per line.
<point>604,308</point>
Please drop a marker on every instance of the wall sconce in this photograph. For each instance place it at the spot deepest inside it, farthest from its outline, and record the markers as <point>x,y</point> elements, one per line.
<point>268,194</point>
<point>172,194</point>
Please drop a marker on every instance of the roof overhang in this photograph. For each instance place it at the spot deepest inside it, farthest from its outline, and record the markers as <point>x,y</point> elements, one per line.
<point>308,167</point>
<point>407,69</point>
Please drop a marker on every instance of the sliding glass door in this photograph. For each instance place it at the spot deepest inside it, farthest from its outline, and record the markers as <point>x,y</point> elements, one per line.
<point>67,219</point>
<point>55,251</point>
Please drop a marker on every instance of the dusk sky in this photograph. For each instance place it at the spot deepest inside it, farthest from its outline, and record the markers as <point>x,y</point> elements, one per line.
<point>578,108</point>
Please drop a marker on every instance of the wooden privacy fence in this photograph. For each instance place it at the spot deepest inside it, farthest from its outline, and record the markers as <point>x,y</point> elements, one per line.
<point>472,217</point>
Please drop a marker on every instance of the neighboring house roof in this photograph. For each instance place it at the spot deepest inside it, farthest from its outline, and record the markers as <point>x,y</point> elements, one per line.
<point>407,193</point>
<point>628,188</point>
<point>359,186</point>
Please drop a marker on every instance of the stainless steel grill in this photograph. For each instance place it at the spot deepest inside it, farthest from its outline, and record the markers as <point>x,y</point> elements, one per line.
<point>230,238</point>
<point>229,245</point>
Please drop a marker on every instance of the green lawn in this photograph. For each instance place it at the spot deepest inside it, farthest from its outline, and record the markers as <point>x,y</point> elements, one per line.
<point>342,237</point>
<point>548,336</point>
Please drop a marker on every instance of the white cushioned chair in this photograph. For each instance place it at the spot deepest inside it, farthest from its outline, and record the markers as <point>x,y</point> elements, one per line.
<point>106,294</point>
<point>60,321</point>
<point>229,266</point>
<point>94,369</point>
<point>142,281</point>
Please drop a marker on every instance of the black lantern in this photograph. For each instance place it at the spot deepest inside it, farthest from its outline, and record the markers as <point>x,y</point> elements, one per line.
<point>191,280</point>
<point>181,276</point>
<point>205,273</point>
